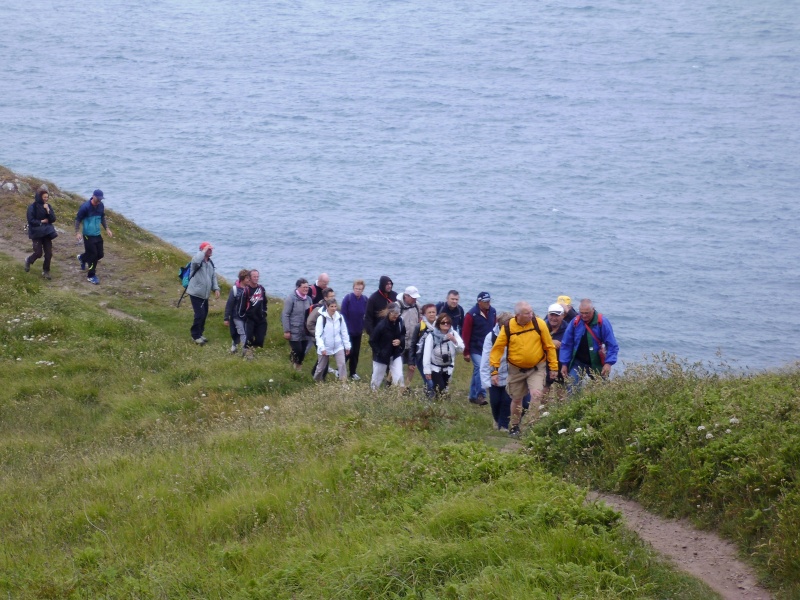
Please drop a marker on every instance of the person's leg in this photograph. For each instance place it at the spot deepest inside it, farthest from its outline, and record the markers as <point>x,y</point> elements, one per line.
<point>475,388</point>
<point>98,252</point>
<point>535,383</point>
<point>47,245</point>
<point>322,367</point>
<point>89,256</point>
<point>500,404</point>
<point>355,351</point>
<point>575,376</point>
<point>378,373</point>
<point>341,365</point>
<point>199,316</point>
<point>396,367</point>
<point>505,409</point>
<point>259,334</point>
<point>517,387</point>
<point>410,367</point>
<point>37,253</point>
<point>439,382</point>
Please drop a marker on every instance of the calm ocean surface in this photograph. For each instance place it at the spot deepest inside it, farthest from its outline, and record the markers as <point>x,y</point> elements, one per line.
<point>646,155</point>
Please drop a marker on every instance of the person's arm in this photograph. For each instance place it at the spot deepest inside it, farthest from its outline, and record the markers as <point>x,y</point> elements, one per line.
<point>229,306</point>
<point>51,215</point>
<point>548,348</point>
<point>369,318</point>
<point>286,313</point>
<point>108,231</point>
<point>459,343</point>
<point>426,356</point>
<point>345,337</point>
<point>565,352</point>
<point>485,369</point>
<point>78,220</point>
<point>496,355</point>
<point>466,333</point>
<point>608,338</point>
<point>33,222</point>
<point>318,335</point>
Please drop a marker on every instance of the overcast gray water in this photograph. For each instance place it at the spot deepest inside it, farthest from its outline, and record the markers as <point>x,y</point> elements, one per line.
<point>642,154</point>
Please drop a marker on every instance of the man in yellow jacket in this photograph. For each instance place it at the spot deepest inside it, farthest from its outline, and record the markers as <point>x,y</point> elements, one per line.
<point>530,346</point>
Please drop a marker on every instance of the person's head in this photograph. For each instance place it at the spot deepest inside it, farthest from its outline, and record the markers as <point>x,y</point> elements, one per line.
<point>301,285</point>
<point>586,310</point>
<point>523,313</point>
<point>555,314</point>
<point>43,193</point>
<point>331,306</point>
<point>254,275</point>
<point>323,280</point>
<point>385,284</point>
<point>443,323</point>
<point>393,311</point>
<point>358,287</point>
<point>410,295</point>
<point>429,312</point>
<point>504,318</point>
<point>565,302</point>
<point>207,248</point>
<point>97,197</point>
<point>243,274</point>
<point>328,294</point>
<point>484,300</point>
<point>452,298</point>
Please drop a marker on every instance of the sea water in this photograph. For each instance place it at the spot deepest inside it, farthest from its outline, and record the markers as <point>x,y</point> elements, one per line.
<point>644,155</point>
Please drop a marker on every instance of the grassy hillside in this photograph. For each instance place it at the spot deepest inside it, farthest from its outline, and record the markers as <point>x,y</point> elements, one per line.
<point>135,464</point>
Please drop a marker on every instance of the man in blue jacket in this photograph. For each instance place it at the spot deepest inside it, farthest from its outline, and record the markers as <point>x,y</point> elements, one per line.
<point>478,323</point>
<point>588,346</point>
<point>92,215</point>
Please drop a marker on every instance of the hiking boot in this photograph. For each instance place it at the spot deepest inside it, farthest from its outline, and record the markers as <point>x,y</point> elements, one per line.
<point>204,338</point>
<point>83,264</point>
<point>233,348</point>
<point>27,266</point>
<point>200,341</point>
<point>513,431</point>
<point>479,401</point>
<point>46,275</point>
<point>93,280</point>
<point>355,377</point>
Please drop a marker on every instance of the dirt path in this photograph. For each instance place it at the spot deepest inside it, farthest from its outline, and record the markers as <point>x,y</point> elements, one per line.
<point>702,554</point>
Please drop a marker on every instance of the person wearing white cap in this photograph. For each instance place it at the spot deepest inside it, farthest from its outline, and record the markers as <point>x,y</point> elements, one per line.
<point>410,313</point>
<point>555,321</point>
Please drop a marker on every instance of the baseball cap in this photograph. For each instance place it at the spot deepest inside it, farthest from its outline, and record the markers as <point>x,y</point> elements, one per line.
<point>484,297</point>
<point>565,300</point>
<point>98,194</point>
<point>412,291</point>
<point>206,246</point>
<point>555,309</point>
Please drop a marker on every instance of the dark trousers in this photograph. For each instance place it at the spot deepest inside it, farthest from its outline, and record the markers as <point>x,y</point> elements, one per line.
<point>298,352</point>
<point>256,332</point>
<point>355,350</point>
<point>500,403</point>
<point>200,308</point>
<point>440,380</point>
<point>93,252</point>
<point>40,246</point>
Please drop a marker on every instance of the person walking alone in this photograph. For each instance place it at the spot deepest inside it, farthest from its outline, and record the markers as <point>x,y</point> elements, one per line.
<point>91,216</point>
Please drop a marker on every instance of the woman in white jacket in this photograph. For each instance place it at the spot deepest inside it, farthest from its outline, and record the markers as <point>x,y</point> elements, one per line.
<point>441,346</point>
<point>332,340</point>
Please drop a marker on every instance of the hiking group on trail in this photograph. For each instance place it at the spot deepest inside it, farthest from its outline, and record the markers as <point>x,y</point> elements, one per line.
<point>516,358</point>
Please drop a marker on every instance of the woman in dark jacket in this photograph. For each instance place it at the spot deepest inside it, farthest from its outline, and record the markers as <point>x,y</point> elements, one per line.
<point>388,341</point>
<point>41,231</point>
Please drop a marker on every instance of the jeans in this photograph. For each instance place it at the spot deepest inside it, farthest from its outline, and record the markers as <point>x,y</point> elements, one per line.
<point>475,388</point>
<point>577,372</point>
<point>200,307</point>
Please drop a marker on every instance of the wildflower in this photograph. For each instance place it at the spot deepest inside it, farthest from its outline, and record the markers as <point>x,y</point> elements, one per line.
<point>701,428</point>
<point>728,431</point>
<point>757,490</point>
<point>734,421</point>
<point>545,414</point>
<point>266,409</point>
<point>271,380</point>
<point>709,436</point>
<point>578,429</point>
<point>562,431</point>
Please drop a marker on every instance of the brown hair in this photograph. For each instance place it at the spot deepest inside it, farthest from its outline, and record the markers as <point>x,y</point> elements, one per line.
<point>242,274</point>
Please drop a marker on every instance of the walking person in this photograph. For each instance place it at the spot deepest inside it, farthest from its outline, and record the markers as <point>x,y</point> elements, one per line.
<point>499,400</point>
<point>293,320</point>
<point>588,347</point>
<point>254,306</point>
<point>478,322</point>
<point>232,319</point>
<point>451,307</point>
<point>91,217</point>
<point>426,325</point>
<point>388,343</point>
<point>441,346</point>
<point>558,326</point>
<point>41,230</point>
<point>530,353</point>
<point>411,315</point>
<point>378,302</point>
<point>202,282</point>
<point>332,339</point>
<point>354,307</point>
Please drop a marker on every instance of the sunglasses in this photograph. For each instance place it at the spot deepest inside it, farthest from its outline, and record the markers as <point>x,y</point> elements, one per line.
<point>446,323</point>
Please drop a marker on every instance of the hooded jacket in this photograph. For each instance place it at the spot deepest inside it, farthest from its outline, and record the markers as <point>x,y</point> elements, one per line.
<point>36,213</point>
<point>293,316</point>
<point>385,332</point>
<point>331,333</point>
<point>378,301</point>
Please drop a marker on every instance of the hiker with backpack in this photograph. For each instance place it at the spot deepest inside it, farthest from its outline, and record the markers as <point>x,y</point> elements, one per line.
<point>418,336</point>
<point>530,353</point>
<point>332,340</point>
<point>232,319</point>
<point>202,281</point>
<point>442,345</point>
<point>88,222</point>
<point>558,326</point>
<point>313,314</point>
<point>253,309</point>
<point>588,347</point>
<point>410,313</point>
<point>293,319</point>
<point>388,341</point>
<point>499,400</point>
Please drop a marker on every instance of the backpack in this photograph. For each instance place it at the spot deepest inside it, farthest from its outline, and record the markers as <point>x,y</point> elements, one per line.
<point>420,351</point>
<point>311,320</point>
<point>507,328</point>
<point>185,273</point>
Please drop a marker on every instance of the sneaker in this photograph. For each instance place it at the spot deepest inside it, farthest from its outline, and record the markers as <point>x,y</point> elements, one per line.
<point>513,431</point>
<point>83,264</point>
<point>200,341</point>
<point>355,377</point>
<point>204,338</point>
<point>479,401</point>
<point>93,280</point>
<point>233,348</point>
<point>335,373</point>
<point>46,275</point>
<point>27,266</point>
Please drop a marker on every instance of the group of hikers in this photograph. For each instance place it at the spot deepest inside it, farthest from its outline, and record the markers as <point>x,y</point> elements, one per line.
<point>517,357</point>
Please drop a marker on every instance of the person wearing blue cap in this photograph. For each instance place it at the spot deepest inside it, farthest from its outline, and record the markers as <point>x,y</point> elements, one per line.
<point>478,323</point>
<point>91,215</point>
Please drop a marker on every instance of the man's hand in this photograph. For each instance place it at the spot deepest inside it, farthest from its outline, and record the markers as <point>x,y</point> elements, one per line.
<point>557,344</point>
<point>564,371</point>
<point>605,370</point>
<point>226,323</point>
<point>495,380</point>
<point>412,368</point>
<point>108,231</point>
<point>79,237</point>
<point>287,335</point>
<point>324,353</point>
<point>395,342</point>
<point>467,358</point>
<point>553,374</point>
<point>216,294</point>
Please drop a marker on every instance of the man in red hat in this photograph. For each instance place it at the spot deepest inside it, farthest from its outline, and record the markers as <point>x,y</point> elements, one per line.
<point>202,281</point>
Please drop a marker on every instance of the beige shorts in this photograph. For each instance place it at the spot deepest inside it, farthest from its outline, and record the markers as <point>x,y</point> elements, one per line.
<point>520,381</point>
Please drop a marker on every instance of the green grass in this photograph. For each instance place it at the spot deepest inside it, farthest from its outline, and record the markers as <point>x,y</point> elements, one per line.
<point>721,449</point>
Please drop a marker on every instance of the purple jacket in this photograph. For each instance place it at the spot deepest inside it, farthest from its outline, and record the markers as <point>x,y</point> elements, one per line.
<point>353,310</point>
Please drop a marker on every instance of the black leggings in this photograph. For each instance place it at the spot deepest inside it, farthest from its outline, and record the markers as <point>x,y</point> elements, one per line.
<point>256,332</point>
<point>298,351</point>
<point>92,252</point>
<point>355,350</point>
<point>440,380</point>
<point>42,246</point>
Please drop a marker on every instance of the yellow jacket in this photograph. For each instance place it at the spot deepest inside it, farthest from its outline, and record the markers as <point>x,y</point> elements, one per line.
<point>527,348</point>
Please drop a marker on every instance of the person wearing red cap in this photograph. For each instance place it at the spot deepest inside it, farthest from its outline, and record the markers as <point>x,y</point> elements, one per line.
<point>203,280</point>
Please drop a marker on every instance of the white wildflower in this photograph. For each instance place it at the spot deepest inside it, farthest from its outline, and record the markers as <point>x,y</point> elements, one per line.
<point>734,421</point>
<point>272,381</point>
<point>545,414</point>
<point>709,436</point>
<point>562,431</point>
<point>266,409</point>
<point>578,429</point>
<point>701,428</point>
<point>728,431</point>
